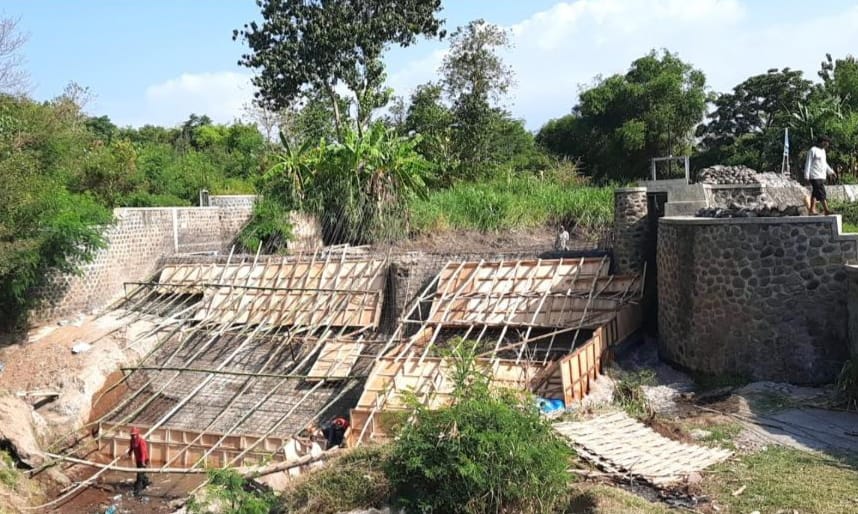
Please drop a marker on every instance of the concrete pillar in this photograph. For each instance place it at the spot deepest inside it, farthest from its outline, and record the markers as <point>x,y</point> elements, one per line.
<point>631,229</point>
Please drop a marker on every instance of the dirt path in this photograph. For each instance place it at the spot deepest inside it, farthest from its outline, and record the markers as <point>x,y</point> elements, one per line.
<point>809,429</point>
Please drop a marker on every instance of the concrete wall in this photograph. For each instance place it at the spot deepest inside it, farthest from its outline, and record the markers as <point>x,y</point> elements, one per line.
<point>137,239</point>
<point>764,298</point>
<point>631,229</point>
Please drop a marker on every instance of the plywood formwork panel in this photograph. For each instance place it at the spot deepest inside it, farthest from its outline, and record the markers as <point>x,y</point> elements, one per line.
<point>289,292</point>
<point>184,448</point>
<point>336,360</point>
<point>550,311</point>
<point>548,293</point>
<point>520,276</point>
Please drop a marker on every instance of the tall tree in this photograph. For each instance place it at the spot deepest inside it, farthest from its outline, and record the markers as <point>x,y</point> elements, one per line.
<point>747,124</point>
<point>475,78</point>
<point>13,78</point>
<point>319,45</point>
<point>625,120</point>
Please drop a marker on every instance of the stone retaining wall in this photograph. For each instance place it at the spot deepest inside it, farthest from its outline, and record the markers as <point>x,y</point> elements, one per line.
<point>137,239</point>
<point>763,298</point>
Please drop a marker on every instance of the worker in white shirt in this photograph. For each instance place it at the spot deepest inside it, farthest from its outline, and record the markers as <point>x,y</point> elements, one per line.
<point>817,170</point>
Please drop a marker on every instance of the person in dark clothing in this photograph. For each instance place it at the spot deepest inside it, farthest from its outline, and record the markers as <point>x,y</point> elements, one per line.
<point>335,431</point>
<point>140,450</point>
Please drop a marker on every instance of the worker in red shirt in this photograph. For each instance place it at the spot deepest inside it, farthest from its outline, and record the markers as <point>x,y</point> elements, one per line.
<point>140,450</point>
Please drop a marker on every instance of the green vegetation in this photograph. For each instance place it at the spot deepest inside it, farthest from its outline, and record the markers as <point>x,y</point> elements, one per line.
<point>520,201</point>
<point>229,492</point>
<point>358,187</point>
<point>61,172</point>
<point>629,392</point>
<point>784,479</point>
<point>625,120</point>
<point>722,434</point>
<point>487,452</point>
<point>8,474</point>
<point>355,480</point>
<point>847,385</point>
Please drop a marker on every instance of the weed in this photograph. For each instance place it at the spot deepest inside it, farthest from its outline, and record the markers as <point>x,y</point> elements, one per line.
<point>629,392</point>
<point>8,474</point>
<point>847,385</point>
<point>354,480</point>
<point>230,493</point>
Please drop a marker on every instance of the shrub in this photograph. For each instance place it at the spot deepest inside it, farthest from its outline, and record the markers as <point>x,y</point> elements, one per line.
<point>487,452</point>
<point>354,480</point>
<point>229,493</point>
<point>270,227</point>
<point>629,392</point>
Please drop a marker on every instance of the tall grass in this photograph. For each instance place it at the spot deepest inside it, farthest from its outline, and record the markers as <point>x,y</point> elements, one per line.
<point>521,201</point>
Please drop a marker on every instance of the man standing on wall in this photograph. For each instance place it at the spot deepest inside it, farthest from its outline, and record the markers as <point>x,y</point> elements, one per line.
<point>817,170</point>
<point>140,450</point>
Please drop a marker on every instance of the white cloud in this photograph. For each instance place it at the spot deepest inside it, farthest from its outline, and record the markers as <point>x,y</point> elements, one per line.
<point>558,50</point>
<point>220,95</point>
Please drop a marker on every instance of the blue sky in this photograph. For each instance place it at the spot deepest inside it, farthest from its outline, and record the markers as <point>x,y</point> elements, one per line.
<point>156,61</point>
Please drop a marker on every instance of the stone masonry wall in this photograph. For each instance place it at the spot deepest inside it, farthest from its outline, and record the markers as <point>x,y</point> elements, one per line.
<point>852,301</point>
<point>631,229</point>
<point>137,239</point>
<point>763,298</point>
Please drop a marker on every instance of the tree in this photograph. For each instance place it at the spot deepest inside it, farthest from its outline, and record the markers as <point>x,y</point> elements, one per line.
<point>747,124</point>
<point>427,116</point>
<point>13,79</point>
<point>625,120</point>
<point>317,45</point>
<point>840,79</point>
<point>475,78</point>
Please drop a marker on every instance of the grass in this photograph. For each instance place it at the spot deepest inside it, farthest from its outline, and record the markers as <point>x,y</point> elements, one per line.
<point>850,227</point>
<point>602,499</point>
<point>783,479</point>
<point>354,480</point>
<point>519,202</point>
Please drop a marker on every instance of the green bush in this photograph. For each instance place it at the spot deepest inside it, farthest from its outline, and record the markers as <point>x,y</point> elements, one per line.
<point>355,480</point>
<point>487,452</point>
<point>229,493</point>
<point>270,227</point>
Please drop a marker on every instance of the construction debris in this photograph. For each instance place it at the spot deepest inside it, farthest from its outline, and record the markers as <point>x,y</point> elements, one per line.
<point>623,446</point>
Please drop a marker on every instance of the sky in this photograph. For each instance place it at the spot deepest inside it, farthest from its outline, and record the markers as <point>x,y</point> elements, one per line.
<point>158,61</point>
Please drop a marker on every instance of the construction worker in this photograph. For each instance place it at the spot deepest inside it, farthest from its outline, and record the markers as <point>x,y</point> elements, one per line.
<point>140,450</point>
<point>335,431</point>
<point>816,171</point>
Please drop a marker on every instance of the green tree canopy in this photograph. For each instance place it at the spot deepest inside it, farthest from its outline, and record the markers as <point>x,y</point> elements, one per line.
<point>475,79</point>
<point>316,45</point>
<point>625,120</point>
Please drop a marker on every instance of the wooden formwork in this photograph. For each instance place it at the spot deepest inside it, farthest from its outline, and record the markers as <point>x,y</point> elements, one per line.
<point>186,448</point>
<point>584,365</point>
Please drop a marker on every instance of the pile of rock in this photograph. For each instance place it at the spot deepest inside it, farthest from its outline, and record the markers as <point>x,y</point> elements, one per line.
<point>763,208</point>
<point>720,174</point>
<point>772,179</point>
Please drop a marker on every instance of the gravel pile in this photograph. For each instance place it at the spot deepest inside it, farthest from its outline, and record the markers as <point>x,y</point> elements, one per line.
<point>720,174</point>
